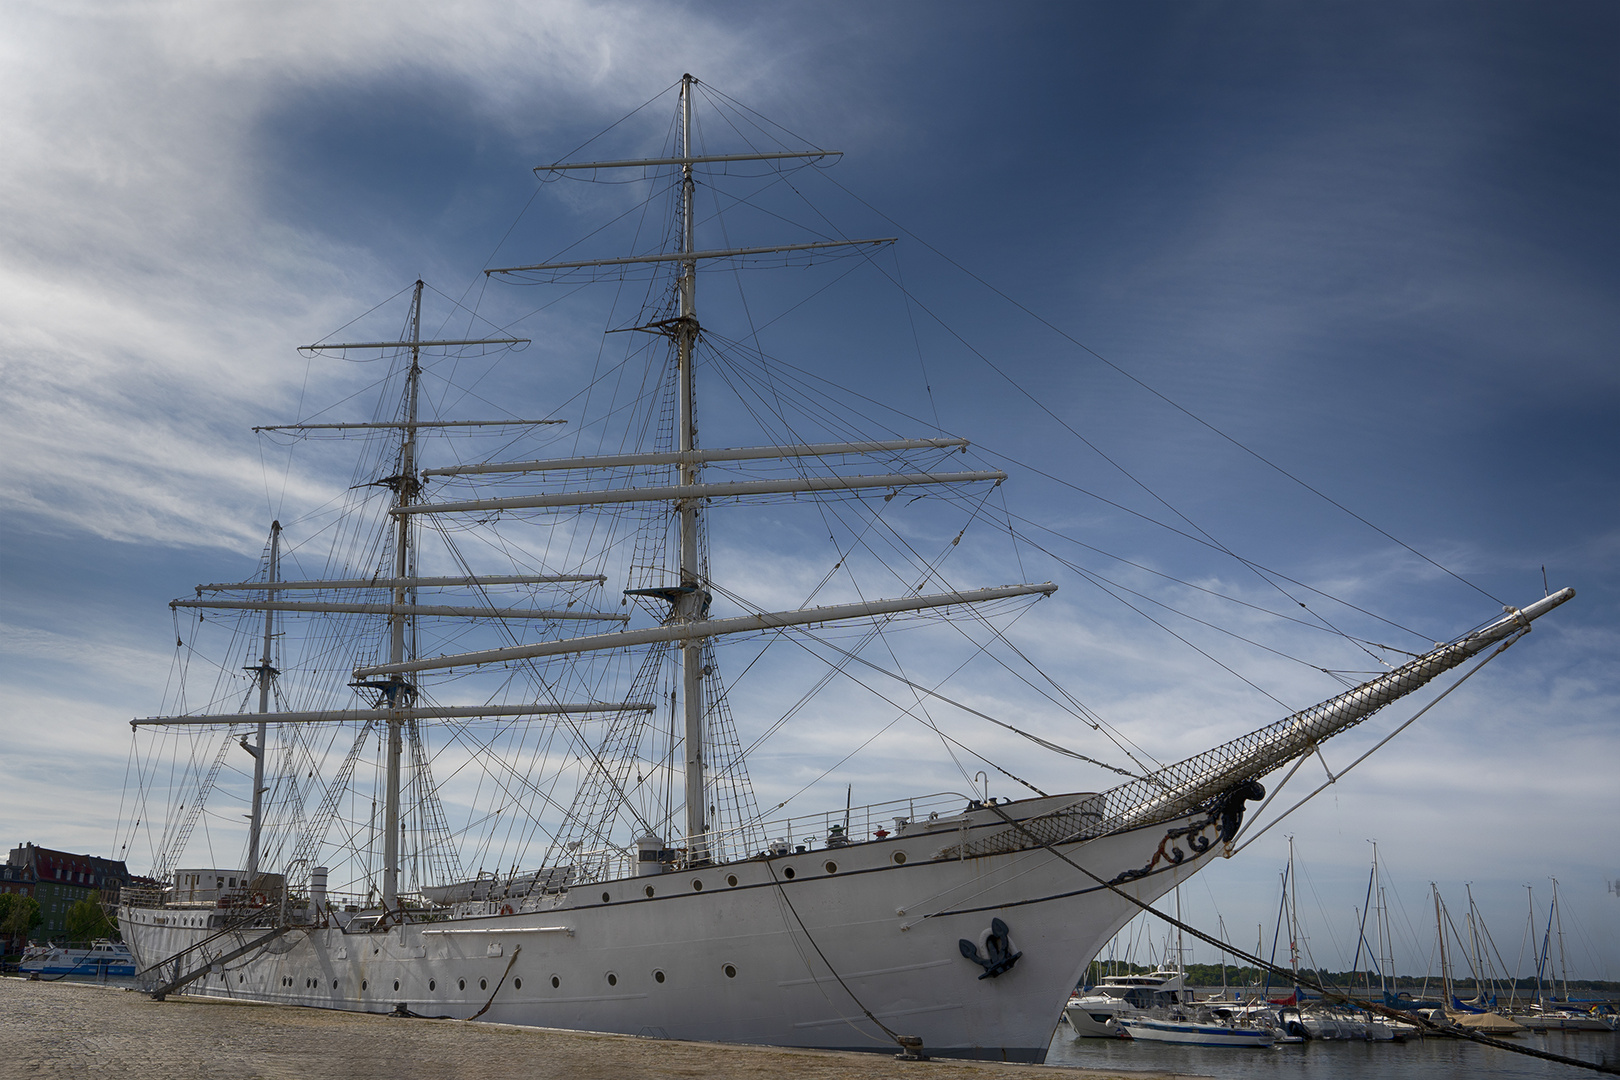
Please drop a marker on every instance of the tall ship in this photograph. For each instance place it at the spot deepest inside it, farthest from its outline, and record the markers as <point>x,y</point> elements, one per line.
<point>492,708</point>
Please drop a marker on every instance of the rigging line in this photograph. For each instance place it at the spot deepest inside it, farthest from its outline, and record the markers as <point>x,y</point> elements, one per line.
<point>1070,703</point>
<point>1043,407</point>
<point>1202,588</point>
<point>579,736</point>
<point>363,314</point>
<point>1191,618</point>
<point>1173,404</point>
<point>1054,747</point>
<point>890,1032</point>
<point>1099,452</point>
<point>620,120</point>
<point>540,184</point>
<point>916,342</point>
<point>742,295</point>
<point>557,278</point>
<point>1376,746</point>
<point>1075,706</point>
<point>1036,470</point>
<point>709,89</point>
<point>927,570</point>
<point>902,713</point>
<point>1251,685</point>
<point>930,570</point>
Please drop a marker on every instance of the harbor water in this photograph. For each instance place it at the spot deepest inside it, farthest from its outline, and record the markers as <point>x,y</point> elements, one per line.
<point>80,1028</point>
<point>1415,1059</point>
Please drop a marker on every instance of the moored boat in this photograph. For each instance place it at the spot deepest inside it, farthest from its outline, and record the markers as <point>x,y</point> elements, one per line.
<point>1093,1014</point>
<point>102,958</point>
<point>1194,1027</point>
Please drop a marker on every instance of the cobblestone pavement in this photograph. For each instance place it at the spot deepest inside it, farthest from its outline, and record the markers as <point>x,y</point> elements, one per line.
<point>79,1030</point>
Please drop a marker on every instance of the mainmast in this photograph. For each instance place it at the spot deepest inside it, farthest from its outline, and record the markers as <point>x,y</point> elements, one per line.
<point>693,600</point>
<point>399,691</point>
<point>267,674</point>
<point>689,598</point>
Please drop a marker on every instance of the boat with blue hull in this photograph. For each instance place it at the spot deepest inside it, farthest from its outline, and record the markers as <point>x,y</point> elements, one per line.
<point>103,958</point>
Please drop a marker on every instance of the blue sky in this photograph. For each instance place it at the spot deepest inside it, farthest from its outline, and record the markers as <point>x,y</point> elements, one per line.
<point>1374,244</point>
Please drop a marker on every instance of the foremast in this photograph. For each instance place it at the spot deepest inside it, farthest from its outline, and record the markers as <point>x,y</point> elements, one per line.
<point>266,674</point>
<point>397,692</point>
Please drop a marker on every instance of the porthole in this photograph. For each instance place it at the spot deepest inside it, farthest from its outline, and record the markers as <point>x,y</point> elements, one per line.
<point>788,873</point>
<point>433,984</point>
<point>899,858</point>
<point>832,867</point>
<point>517,984</point>
<point>239,979</point>
<point>461,984</point>
<point>697,886</point>
<point>731,879</point>
<point>658,976</point>
<point>334,984</point>
<point>731,972</point>
<point>483,984</point>
<point>604,898</point>
<point>649,892</point>
<point>396,984</point>
<point>613,980</point>
<point>555,982</point>
<point>362,984</point>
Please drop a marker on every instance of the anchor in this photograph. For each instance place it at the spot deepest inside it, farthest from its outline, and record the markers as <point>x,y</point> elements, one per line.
<point>998,944</point>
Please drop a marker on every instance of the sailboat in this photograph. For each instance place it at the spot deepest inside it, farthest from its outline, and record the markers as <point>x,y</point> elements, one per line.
<point>1456,1012</point>
<point>615,872</point>
<point>1551,1013</point>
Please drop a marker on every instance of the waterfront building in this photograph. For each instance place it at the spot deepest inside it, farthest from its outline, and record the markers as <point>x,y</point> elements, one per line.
<point>58,880</point>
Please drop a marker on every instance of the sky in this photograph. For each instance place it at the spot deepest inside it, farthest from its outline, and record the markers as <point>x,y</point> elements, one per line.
<point>1337,283</point>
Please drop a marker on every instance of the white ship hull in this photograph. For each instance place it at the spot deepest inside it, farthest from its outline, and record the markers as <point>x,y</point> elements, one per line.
<point>736,964</point>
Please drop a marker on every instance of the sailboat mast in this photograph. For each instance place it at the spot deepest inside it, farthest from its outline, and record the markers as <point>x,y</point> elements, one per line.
<point>693,599</point>
<point>1293,917</point>
<point>266,675</point>
<point>1563,966</point>
<point>400,692</point>
<point>1386,944</point>
<point>1473,939</point>
<point>1440,928</point>
<point>1530,896</point>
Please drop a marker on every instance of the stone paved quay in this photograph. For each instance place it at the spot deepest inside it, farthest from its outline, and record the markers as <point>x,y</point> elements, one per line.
<point>80,1030</point>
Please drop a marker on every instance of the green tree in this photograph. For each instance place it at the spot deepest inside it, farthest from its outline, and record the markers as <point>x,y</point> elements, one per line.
<point>87,920</point>
<point>20,915</point>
